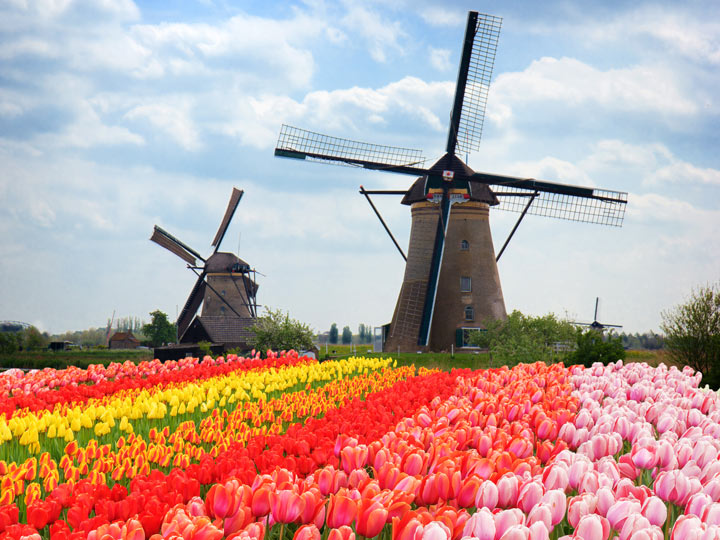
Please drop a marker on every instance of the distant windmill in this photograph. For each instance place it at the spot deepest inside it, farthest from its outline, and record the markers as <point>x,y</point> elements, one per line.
<point>225,286</point>
<point>595,325</point>
<point>451,281</point>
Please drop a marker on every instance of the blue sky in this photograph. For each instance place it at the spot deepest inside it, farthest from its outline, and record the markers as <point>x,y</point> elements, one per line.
<point>115,116</point>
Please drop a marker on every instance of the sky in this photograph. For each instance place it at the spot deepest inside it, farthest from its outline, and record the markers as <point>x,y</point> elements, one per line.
<point>117,115</point>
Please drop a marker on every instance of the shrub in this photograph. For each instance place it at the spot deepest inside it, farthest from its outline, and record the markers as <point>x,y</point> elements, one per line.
<point>692,333</point>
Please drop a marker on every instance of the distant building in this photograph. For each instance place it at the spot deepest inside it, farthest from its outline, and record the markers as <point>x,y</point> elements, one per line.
<point>124,340</point>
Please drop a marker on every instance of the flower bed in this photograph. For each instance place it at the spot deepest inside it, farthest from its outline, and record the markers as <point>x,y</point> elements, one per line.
<point>359,449</point>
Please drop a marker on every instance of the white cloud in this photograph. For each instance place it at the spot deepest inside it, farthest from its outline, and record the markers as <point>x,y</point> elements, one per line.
<point>88,130</point>
<point>683,172</point>
<point>440,58</point>
<point>244,44</point>
<point>653,162</point>
<point>379,34</point>
<point>574,83</point>
<point>552,169</point>
<point>442,16</point>
<point>173,120</point>
<point>696,39</point>
<point>256,120</point>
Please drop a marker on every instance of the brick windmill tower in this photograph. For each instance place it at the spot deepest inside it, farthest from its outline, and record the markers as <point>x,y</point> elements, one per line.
<point>451,283</point>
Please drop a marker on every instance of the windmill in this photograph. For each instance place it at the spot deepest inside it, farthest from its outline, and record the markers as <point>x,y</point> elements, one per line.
<point>595,325</point>
<point>225,286</point>
<point>451,282</point>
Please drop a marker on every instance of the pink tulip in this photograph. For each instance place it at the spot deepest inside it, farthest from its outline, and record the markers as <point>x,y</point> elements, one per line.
<point>307,532</point>
<point>580,506</point>
<point>488,495</point>
<point>687,528</point>
<point>506,519</point>
<point>673,486</point>
<point>556,501</point>
<point>481,525</point>
<point>592,527</point>
<point>711,514</point>
<point>632,525</point>
<point>540,512</point>
<point>556,477</point>
<point>436,530</point>
<point>697,503</point>
<point>654,510</point>
<point>529,495</point>
<point>507,488</point>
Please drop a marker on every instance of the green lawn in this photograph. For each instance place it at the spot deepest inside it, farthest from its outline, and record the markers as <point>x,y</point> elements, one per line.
<point>79,358</point>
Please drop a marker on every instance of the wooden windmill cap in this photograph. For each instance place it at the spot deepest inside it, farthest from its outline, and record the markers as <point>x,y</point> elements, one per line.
<point>477,191</point>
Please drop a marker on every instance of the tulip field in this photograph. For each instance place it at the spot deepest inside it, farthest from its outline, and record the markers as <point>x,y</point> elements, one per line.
<point>286,448</point>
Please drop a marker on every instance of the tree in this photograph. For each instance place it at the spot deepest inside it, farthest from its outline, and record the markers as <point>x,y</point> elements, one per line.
<point>160,330</point>
<point>365,333</point>
<point>347,336</point>
<point>34,340</point>
<point>9,342</point>
<point>522,338</point>
<point>593,346</point>
<point>277,331</point>
<point>692,332</point>
<point>333,335</point>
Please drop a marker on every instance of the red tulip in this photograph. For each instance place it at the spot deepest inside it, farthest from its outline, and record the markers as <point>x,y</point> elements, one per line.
<point>307,532</point>
<point>286,505</point>
<point>221,501</point>
<point>341,511</point>
<point>353,457</point>
<point>371,518</point>
<point>204,529</point>
<point>261,500</point>
<point>342,533</point>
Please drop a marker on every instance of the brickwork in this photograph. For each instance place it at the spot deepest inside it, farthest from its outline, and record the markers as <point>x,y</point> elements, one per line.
<point>405,325</point>
<point>469,222</point>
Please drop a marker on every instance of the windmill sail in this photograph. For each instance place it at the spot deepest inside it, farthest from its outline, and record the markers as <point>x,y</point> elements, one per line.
<point>302,144</point>
<point>232,206</point>
<point>572,203</point>
<point>172,244</point>
<point>471,93</point>
<point>191,305</point>
<point>433,278</point>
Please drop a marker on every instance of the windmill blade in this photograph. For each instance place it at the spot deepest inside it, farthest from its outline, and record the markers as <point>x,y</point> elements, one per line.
<point>232,206</point>
<point>562,201</point>
<point>597,305</point>
<point>435,267</point>
<point>471,92</point>
<point>191,305</point>
<point>163,238</point>
<point>302,144</point>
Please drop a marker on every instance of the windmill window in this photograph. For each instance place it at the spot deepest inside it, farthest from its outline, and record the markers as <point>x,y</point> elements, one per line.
<point>464,245</point>
<point>465,284</point>
<point>222,309</point>
<point>469,313</point>
<point>222,292</point>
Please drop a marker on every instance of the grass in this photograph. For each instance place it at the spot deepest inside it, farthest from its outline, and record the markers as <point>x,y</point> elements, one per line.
<point>62,359</point>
